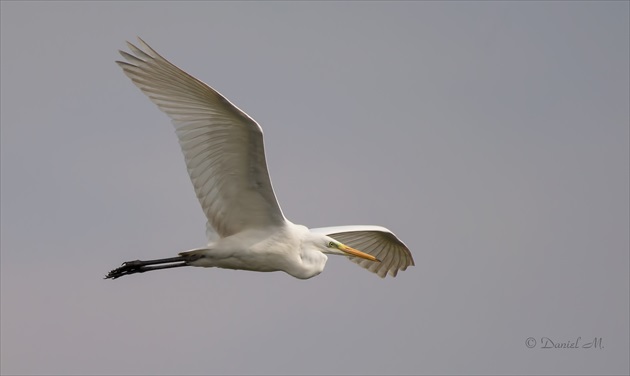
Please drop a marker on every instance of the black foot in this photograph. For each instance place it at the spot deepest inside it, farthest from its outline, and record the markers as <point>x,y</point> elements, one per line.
<point>129,267</point>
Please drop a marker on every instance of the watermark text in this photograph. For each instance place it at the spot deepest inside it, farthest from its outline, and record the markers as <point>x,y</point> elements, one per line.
<point>572,343</point>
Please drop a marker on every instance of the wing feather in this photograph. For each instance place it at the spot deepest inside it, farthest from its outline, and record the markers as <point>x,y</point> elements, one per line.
<point>376,241</point>
<point>223,146</point>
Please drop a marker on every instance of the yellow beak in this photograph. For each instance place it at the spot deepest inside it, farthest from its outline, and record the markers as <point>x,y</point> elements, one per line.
<point>354,252</point>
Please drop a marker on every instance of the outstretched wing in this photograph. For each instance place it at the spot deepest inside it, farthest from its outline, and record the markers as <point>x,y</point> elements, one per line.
<point>222,145</point>
<point>376,241</point>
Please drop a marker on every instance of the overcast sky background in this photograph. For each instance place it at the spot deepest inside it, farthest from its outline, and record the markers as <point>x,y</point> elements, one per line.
<point>491,137</point>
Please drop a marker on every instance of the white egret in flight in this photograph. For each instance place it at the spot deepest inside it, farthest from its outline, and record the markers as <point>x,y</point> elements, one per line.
<point>225,157</point>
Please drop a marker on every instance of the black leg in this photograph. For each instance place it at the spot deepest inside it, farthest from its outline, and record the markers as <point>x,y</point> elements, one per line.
<point>137,266</point>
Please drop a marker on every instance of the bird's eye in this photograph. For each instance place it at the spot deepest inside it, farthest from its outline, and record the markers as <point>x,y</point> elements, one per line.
<point>331,245</point>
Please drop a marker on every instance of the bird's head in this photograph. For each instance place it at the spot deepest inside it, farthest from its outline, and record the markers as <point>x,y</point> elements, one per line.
<point>313,250</point>
<point>334,247</point>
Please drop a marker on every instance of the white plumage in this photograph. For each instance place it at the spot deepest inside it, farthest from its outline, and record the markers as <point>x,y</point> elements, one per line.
<point>224,153</point>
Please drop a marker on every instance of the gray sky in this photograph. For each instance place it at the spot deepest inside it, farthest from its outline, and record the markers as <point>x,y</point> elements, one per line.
<point>491,137</point>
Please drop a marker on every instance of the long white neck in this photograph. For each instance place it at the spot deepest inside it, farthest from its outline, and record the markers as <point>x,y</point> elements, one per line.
<point>312,262</point>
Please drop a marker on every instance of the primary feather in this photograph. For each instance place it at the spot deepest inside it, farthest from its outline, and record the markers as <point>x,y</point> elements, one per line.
<point>221,144</point>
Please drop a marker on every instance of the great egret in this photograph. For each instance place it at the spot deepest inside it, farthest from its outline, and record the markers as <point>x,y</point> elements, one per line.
<point>224,153</point>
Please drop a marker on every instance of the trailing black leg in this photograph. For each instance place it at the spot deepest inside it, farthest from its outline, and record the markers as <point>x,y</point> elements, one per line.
<point>138,266</point>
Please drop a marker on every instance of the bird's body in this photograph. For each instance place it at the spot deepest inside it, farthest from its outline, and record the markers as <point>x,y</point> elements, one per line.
<point>224,152</point>
<point>265,250</point>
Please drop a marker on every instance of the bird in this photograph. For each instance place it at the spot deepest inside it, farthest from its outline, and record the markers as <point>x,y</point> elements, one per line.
<point>224,154</point>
